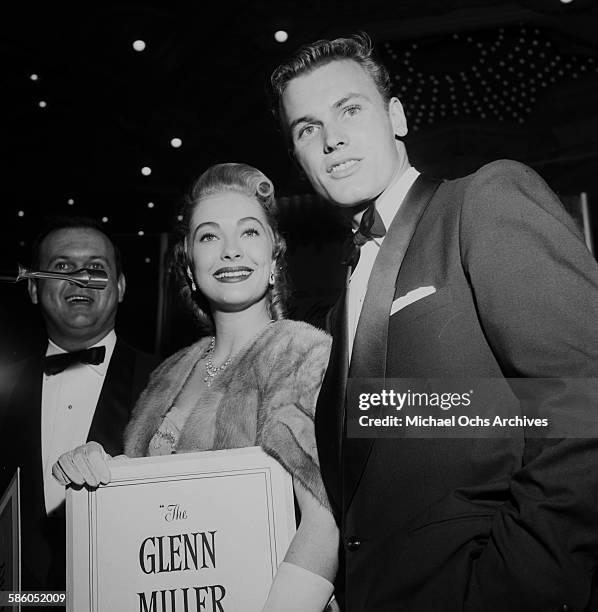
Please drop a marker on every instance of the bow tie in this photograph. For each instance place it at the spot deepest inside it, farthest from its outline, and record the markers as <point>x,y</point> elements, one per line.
<point>371,226</point>
<point>55,364</point>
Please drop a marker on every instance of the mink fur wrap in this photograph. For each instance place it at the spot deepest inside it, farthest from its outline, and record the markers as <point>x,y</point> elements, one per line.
<point>265,397</point>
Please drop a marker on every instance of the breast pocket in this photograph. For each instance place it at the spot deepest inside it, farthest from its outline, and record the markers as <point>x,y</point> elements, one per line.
<point>439,299</point>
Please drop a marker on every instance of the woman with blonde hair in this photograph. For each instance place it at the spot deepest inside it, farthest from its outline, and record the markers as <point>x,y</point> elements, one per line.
<point>253,381</point>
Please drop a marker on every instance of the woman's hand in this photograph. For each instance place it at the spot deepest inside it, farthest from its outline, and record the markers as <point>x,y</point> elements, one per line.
<point>84,465</point>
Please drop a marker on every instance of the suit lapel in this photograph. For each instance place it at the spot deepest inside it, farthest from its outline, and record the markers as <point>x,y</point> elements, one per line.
<point>371,338</point>
<point>22,446</point>
<point>330,408</point>
<point>114,404</point>
<point>24,425</point>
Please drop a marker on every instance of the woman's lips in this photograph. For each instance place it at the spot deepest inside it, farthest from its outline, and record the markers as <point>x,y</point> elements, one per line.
<point>232,275</point>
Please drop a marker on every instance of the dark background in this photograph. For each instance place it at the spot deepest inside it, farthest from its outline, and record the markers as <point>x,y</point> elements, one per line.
<point>479,79</point>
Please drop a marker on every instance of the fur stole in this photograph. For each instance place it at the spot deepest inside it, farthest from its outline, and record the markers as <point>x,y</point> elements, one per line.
<point>266,397</point>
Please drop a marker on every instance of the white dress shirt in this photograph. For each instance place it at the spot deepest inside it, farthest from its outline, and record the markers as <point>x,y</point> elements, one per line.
<point>387,206</point>
<point>69,401</point>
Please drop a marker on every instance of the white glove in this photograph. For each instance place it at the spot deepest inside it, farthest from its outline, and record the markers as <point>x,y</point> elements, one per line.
<point>296,589</point>
<point>86,464</point>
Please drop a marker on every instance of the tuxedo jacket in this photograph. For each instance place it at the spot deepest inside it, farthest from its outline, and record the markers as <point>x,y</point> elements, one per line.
<point>476,524</point>
<point>43,536</point>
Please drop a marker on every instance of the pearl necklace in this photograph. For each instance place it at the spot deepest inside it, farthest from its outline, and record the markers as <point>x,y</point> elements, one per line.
<point>211,370</point>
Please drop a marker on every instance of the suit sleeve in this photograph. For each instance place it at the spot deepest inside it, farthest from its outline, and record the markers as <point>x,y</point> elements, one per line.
<point>535,285</point>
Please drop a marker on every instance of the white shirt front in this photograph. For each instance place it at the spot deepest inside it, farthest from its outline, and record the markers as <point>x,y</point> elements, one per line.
<point>69,401</point>
<point>387,206</point>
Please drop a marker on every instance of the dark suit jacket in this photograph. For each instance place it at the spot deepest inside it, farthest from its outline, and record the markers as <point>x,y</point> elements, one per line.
<point>476,524</point>
<point>43,536</point>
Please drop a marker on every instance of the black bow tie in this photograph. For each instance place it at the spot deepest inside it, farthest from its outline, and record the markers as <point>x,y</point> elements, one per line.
<point>371,226</point>
<point>54,364</point>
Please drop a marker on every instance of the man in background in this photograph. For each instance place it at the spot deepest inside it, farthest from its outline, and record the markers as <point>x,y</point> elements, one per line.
<point>82,387</point>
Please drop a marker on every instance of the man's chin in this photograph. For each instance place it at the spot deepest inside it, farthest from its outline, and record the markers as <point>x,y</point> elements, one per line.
<point>83,328</point>
<point>347,200</point>
<point>348,196</point>
<point>81,320</point>
<point>77,336</point>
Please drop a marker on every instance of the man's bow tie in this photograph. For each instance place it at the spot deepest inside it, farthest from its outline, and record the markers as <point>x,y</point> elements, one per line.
<point>54,364</point>
<point>371,226</point>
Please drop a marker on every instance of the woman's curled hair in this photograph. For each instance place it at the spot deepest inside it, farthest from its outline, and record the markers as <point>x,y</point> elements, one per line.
<point>249,181</point>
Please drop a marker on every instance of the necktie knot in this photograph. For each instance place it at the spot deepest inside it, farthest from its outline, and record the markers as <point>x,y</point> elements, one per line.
<point>370,227</point>
<point>54,364</point>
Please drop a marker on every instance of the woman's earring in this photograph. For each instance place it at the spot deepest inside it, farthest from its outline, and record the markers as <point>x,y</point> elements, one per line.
<point>271,281</point>
<point>191,279</point>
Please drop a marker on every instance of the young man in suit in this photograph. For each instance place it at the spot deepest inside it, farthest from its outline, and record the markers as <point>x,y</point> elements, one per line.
<point>484,277</point>
<point>82,387</point>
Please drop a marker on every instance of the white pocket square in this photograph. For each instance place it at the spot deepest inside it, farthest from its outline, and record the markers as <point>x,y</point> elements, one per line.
<point>410,297</point>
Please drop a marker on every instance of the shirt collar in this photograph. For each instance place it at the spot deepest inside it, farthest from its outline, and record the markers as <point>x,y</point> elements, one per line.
<point>390,200</point>
<point>109,341</point>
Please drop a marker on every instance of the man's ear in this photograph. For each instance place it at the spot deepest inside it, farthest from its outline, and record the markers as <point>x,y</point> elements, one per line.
<point>397,117</point>
<point>32,288</point>
<point>122,285</point>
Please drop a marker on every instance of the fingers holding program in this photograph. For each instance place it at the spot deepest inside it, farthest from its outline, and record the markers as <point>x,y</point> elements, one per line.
<point>84,465</point>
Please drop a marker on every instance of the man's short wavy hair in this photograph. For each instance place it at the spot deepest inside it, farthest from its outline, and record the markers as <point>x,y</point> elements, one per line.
<point>249,181</point>
<point>358,48</point>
